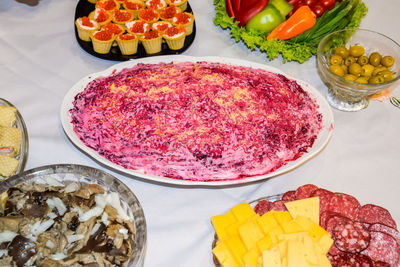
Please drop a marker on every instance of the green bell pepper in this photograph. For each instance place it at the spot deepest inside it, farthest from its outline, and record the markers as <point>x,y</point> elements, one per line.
<point>266,20</point>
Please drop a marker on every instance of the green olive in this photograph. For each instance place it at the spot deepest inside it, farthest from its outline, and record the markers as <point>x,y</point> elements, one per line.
<point>363,60</point>
<point>376,79</point>
<point>349,60</point>
<point>357,50</point>
<point>361,80</point>
<point>342,51</point>
<point>350,77</point>
<point>355,69</point>
<point>375,59</point>
<point>378,69</point>
<point>345,69</point>
<point>336,69</point>
<point>336,60</point>
<point>387,75</point>
<point>387,61</point>
<point>367,70</point>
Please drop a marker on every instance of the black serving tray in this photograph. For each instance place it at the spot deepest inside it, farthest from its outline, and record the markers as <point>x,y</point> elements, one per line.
<point>83,8</point>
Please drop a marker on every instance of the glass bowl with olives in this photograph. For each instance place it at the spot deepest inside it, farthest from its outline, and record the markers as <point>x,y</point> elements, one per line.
<point>355,64</point>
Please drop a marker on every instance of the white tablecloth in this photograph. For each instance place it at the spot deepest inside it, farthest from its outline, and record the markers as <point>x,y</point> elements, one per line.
<point>40,60</point>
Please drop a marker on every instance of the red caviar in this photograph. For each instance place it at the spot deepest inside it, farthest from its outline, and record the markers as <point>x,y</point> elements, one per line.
<point>162,26</point>
<point>151,35</point>
<point>133,5</point>
<point>127,36</point>
<point>87,22</point>
<point>102,15</point>
<point>169,12</point>
<point>122,15</point>
<point>103,35</point>
<point>139,27</point>
<point>107,5</point>
<point>182,18</point>
<point>174,31</point>
<point>148,14</point>
<point>156,4</point>
<point>113,28</point>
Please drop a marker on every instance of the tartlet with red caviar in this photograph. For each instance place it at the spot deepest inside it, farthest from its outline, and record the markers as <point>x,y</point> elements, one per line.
<point>102,41</point>
<point>151,41</point>
<point>161,26</point>
<point>181,4</point>
<point>168,13</point>
<point>137,27</point>
<point>148,15</point>
<point>184,19</point>
<point>157,5</point>
<point>85,27</point>
<point>101,16</point>
<point>175,37</point>
<point>133,6</point>
<point>109,5</point>
<point>122,16</point>
<point>127,43</point>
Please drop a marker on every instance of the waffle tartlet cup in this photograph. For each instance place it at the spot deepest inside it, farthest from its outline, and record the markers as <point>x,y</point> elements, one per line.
<point>182,6</point>
<point>84,34</point>
<point>152,46</point>
<point>134,12</point>
<point>188,26</point>
<point>165,16</point>
<point>127,47</point>
<point>141,17</point>
<point>122,23</point>
<point>99,4</point>
<point>175,43</point>
<point>100,46</point>
<point>92,1</point>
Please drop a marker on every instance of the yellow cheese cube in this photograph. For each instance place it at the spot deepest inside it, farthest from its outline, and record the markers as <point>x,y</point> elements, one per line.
<point>323,261</point>
<point>291,227</point>
<point>282,246</point>
<point>309,250</point>
<point>282,216</point>
<point>265,243</point>
<point>308,207</point>
<point>296,254</point>
<point>316,231</point>
<point>272,258</point>
<point>236,247</point>
<point>267,222</point>
<point>243,212</point>
<point>224,255</point>
<point>292,236</point>
<point>252,258</point>
<point>274,233</point>
<point>221,222</point>
<point>324,244</point>
<point>233,228</point>
<point>250,233</point>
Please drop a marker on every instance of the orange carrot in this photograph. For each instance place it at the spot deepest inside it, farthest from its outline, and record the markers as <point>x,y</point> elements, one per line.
<point>301,20</point>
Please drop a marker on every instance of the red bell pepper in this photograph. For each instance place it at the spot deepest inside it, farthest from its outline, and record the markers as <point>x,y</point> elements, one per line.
<point>244,10</point>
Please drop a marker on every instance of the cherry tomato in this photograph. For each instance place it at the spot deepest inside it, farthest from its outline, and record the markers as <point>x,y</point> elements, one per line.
<point>327,4</point>
<point>296,6</point>
<point>310,3</point>
<point>318,9</point>
<point>292,2</point>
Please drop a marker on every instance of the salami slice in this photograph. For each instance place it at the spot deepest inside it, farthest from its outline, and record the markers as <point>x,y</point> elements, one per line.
<point>333,221</point>
<point>305,191</point>
<point>278,205</point>
<point>289,196</point>
<point>351,237</point>
<point>383,248</point>
<point>263,206</point>
<point>351,260</point>
<point>324,199</point>
<point>372,214</point>
<point>377,227</point>
<point>345,205</point>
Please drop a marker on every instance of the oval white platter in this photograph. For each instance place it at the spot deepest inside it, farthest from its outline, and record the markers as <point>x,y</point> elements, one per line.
<point>319,144</point>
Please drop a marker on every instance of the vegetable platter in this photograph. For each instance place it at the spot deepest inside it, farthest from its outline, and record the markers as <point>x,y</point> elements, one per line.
<point>290,28</point>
